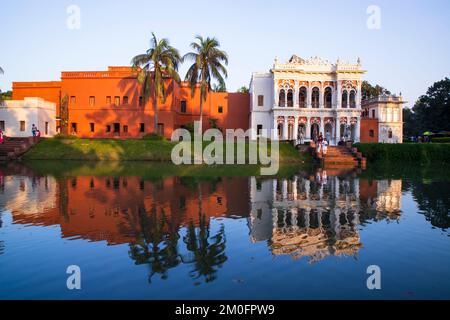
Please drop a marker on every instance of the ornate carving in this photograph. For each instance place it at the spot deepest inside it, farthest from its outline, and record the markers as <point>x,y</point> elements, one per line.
<point>315,120</point>
<point>343,120</point>
<point>286,84</point>
<point>296,59</point>
<point>291,120</point>
<point>280,120</point>
<point>303,120</point>
<point>329,120</point>
<point>353,120</point>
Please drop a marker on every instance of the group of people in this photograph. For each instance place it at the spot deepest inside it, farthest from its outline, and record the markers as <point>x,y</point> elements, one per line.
<point>35,131</point>
<point>322,144</point>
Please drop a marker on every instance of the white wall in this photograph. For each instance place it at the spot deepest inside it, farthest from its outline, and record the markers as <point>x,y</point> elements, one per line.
<point>31,110</point>
<point>261,84</point>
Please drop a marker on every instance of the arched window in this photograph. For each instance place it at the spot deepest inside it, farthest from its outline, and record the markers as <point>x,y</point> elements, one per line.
<point>302,97</point>
<point>390,134</point>
<point>315,97</point>
<point>344,99</point>
<point>352,99</point>
<point>290,98</point>
<point>328,97</point>
<point>282,98</point>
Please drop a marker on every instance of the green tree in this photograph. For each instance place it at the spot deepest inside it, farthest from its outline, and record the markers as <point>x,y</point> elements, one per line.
<point>158,63</point>
<point>243,89</point>
<point>1,94</point>
<point>219,88</point>
<point>208,66</point>
<point>64,115</point>
<point>369,90</point>
<point>432,110</point>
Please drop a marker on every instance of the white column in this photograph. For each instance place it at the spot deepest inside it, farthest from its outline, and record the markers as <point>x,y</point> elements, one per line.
<point>296,128</point>
<point>358,130</point>
<point>321,98</point>
<point>285,128</point>
<point>348,99</point>
<point>322,126</point>
<point>309,97</point>
<point>338,129</point>
<point>275,128</point>
<point>294,188</point>
<point>296,96</point>
<point>358,97</point>
<point>284,189</point>
<point>308,129</point>
<point>338,94</point>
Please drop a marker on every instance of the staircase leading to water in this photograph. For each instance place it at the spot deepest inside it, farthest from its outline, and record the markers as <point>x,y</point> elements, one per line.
<point>13,148</point>
<point>341,157</point>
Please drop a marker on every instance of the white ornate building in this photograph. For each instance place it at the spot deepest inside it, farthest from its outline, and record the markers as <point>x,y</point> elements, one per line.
<point>301,98</point>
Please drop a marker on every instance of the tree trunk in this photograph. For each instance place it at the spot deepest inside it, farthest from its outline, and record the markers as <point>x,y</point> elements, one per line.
<point>155,114</point>
<point>200,127</point>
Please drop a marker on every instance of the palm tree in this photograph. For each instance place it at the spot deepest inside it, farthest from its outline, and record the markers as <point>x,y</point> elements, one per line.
<point>208,65</point>
<point>1,95</point>
<point>156,64</point>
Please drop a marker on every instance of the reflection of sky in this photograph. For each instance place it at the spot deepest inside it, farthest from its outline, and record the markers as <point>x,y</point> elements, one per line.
<point>412,255</point>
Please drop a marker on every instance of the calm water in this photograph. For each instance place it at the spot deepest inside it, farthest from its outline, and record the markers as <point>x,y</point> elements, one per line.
<point>309,235</point>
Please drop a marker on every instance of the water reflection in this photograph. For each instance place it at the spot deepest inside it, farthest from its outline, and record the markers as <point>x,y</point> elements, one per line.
<point>166,222</point>
<point>316,215</point>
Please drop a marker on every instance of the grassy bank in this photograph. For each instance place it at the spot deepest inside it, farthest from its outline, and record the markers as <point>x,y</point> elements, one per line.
<point>407,152</point>
<point>127,150</point>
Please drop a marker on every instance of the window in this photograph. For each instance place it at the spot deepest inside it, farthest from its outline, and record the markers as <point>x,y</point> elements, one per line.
<point>282,98</point>
<point>73,100</point>
<point>92,127</point>
<point>302,97</point>
<point>46,128</point>
<point>141,101</point>
<point>290,98</point>
<point>373,113</point>
<point>125,100</point>
<point>117,101</point>
<point>390,134</point>
<point>328,97</point>
<point>125,129</point>
<point>259,128</point>
<point>2,125</point>
<point>74,127</point>
<point>22,125</point>
<point>260,101</point>
<point>183,106</point>
<point>220,109</point>
<point>108,128</point>
<point>161,129</point>
<point>352,99</point>
<point>116,127</point>
<point>315,98</point>
<point>371,133</point>
<point>344,99</point>
<point>108,100</point>
<point>142,127</point>
<point>91,101</point>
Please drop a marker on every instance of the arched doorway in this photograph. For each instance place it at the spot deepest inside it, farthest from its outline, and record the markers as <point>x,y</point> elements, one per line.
<point>315,97</point>
<point>328,132</point>
<point>328,97</point>
<point>315,130</point>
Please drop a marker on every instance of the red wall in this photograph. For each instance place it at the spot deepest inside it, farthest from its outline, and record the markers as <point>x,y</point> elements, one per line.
<point>122,81</point>
<point>368,124</point>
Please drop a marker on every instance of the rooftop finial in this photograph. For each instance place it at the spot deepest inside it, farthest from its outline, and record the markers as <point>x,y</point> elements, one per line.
<point>359,61</point>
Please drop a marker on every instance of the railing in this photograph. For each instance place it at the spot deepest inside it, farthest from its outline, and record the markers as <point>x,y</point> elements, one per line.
<point>98,74</point>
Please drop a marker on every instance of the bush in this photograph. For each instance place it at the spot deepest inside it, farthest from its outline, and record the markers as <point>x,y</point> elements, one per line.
<point>64,136</point>
<point>153,137</point>
<point>441,140</point>
<point>409,152</point>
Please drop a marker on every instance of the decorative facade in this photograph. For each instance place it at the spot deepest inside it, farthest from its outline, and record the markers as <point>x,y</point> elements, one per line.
<point>383,116</point>
<point>302,98</point>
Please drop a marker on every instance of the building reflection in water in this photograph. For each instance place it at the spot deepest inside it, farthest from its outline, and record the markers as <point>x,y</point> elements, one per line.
<point>317,215</point>
<point>308,215</point>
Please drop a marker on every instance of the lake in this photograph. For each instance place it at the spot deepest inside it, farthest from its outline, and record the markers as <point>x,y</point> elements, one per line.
<point>139,232</point>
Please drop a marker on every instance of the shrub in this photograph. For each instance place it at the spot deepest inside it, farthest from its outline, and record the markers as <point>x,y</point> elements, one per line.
<point>409,152</point>
<point>441,140</point>
<point>65,136</point>
<point>153,137</point>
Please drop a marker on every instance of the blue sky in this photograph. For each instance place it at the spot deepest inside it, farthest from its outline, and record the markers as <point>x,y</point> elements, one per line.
<point>408,54</point>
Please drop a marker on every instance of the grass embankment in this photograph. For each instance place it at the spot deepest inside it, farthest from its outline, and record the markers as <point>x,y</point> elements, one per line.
<point>407,152</point>
<point>129,150</point>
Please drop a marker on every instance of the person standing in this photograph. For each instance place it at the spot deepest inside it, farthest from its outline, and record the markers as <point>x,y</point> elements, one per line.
<point>1,136</point>
<point>33,130</point>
